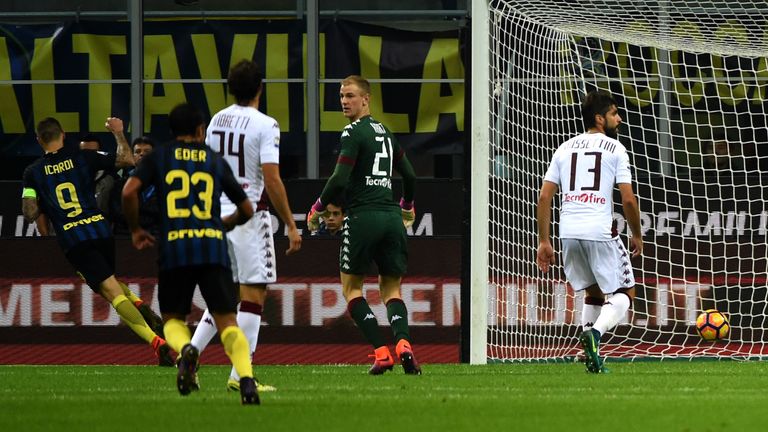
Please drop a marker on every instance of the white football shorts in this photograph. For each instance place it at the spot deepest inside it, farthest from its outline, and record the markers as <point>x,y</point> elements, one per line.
<point>252,250</point>
<point>605,263</point>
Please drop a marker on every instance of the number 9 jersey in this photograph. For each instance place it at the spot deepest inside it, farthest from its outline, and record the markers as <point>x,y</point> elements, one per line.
<point>189,179</point>
<point>586,168</point>
<point>64,186</point>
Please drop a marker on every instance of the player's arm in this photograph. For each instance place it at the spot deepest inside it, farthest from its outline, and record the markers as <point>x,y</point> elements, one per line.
<point>139,236</point>
<point>43,226</point>
<point>243,212</point>
<point>143,174</point>
<point>29,206</point>
<point>545,255</point>
<point>123,154</point>
<point>632,215</point>
<point>334,187</point>
<point>404,167</point>
<point>337,182</point>
<point>279,198</point>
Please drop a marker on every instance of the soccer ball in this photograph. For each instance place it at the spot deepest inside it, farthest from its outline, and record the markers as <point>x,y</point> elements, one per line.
<point>712,325</point>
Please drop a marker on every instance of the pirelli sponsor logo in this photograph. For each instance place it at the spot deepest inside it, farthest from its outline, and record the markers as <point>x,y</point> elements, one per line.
<point>195,233</point>
<point>85,221</point>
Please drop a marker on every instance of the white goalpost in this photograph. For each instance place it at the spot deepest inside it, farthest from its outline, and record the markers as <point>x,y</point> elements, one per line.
<point>691,82</point>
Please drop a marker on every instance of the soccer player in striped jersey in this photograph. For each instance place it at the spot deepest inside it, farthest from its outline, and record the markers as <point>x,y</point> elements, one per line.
<point>249,141</point>
<point>375,227</point>
<point>586,169</point>
<point>189,179</point>
<point>61,185</point>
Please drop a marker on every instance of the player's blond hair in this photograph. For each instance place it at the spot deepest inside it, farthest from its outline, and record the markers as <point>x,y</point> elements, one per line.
<point>360,82</point>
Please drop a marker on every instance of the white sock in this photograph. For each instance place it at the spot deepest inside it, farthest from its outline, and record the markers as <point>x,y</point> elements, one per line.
<point>589,315</point>
<point>204,332</point>
<point>249,323</point>
<point>614,309</point>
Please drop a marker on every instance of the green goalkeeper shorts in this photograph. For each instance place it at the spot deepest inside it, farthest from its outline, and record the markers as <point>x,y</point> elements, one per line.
<point>374,236</point>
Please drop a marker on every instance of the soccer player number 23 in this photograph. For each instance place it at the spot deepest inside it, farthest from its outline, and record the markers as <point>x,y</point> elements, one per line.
<point>205,194</point>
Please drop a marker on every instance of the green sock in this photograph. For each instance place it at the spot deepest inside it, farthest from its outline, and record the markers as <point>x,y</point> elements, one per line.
<point>365,320</point>
<point>398,319</point>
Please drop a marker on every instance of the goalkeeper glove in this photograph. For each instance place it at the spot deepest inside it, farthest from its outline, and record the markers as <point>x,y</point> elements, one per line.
<point>408,212</point>
<point>315,213</point>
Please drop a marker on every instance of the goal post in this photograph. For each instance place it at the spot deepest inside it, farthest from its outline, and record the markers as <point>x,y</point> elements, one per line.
<point>691,82</point>
<point>478,247</point>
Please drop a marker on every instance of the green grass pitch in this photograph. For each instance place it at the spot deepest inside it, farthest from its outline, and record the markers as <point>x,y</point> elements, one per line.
<point>647,396</point>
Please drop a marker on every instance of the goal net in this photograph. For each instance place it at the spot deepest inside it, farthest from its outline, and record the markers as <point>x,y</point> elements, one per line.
<point>691,82</point>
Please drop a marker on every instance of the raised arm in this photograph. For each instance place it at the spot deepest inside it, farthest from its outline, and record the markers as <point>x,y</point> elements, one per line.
<point>123,154</point>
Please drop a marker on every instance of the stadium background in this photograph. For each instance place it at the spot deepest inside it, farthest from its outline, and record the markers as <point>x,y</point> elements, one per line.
<point>74,64</point>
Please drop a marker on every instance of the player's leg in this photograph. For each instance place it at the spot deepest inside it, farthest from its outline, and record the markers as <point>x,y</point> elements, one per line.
<point>94,261</point>
<point>206,328</point>
<point>110,289</point>
<point>153,319</point>
<point>397,313</point>
<point>361,313</point>
<point>221,298</point>
<point>252,298</point>
<point>355,257</point>
<point>593,302</point>
<point>391,257</point>
<point>579,274</point>
<point>175,290</point>
<point>251,246</point>
<point>613,270</point>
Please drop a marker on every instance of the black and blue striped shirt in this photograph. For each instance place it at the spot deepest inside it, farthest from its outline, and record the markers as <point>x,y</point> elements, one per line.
<point>63,182</point>
<point>189,179</point>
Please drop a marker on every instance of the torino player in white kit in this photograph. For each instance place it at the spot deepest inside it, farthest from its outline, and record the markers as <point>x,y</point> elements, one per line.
<point>250,142</point>
<point>585,169</point>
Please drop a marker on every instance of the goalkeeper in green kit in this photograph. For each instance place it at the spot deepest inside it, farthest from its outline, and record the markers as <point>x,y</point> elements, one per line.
<point>374,229</point>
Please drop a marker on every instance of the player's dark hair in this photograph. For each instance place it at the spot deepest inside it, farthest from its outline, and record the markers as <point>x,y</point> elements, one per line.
<point>184,119</point>
<point>143,140</point>
<point>360,82</point>
<point>91,138</point>
<point>49,129</point>
<point>596,102</point>
<point>244,81</point>
<point>338,202</point>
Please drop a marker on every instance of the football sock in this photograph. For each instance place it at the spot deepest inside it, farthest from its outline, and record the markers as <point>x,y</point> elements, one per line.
<point>590,312</point>
<point>613,310</point>
<point>236,347</point>
<point>132,318</point>
<point>398,319</point>
<point>204,332</point>
<point>249,321</point>
<point>130,294</point>
<point>176,334</point>
<point>366,321</point>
